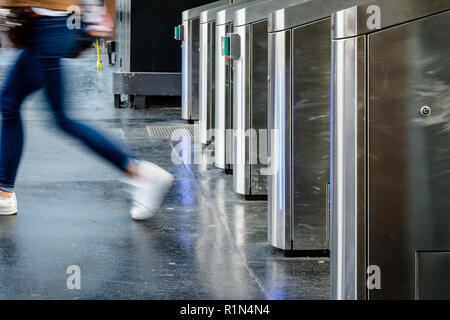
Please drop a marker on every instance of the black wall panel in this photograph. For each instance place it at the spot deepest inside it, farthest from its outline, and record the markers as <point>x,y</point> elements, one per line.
<point>153,48</point>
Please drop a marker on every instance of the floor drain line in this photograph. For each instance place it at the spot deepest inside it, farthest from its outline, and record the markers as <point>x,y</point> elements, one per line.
<point>169,131</point>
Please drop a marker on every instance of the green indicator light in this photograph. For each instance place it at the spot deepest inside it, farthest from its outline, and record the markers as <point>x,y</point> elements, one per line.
<point>226,46</point>
<point>177,33</point>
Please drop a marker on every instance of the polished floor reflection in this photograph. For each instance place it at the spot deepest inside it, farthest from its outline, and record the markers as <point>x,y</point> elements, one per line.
<point>206,243</point>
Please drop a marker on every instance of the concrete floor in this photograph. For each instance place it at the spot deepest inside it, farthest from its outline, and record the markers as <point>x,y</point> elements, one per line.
<point>205,243</point>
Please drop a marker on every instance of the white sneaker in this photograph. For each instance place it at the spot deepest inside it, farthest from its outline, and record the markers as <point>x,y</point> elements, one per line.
<point>8,206</point>
<point>148,190</point>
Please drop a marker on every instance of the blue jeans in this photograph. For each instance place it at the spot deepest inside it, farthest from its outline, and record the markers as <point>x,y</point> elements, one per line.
<point>39,66</point>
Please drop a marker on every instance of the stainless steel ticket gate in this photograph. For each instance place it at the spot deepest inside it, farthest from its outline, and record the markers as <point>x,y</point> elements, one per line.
<point>248,49</point>
<point>208,68</point>
<point>390,151</point>
<point>299,124</point>
<point>189,34</point>
<point>223,94</point>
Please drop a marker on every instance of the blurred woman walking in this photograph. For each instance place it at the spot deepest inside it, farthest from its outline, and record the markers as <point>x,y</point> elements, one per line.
<point>41,29</point>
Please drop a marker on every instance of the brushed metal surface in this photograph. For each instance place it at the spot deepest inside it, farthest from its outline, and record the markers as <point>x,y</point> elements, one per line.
<point>190,60</point>
<point>250,109</point>
<point>224,111</point>
<point>310,136</point>
<point>208,51</point>
<point>279,120</point>
<point>432,280</point>
<point>352,22</point>
<point>190,70</point>
<point>390,171</point>
<point>194,13</point>
<point>307,147</point>
<point>207,81</point>
<point>258,108</point>
<point>261,11</point>
<point>250,97</point>
<point>227,15</point>
<point>224,17</point>
<point>308,12</point>
<point>224,92</point>
<point>348,169</point>
<point>241,111</point>
<point>210,14</point>
<point>185,71</point>
<point>409,154</point>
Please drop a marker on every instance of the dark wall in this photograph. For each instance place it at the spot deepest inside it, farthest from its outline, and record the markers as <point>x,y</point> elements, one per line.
<point>153,48</point>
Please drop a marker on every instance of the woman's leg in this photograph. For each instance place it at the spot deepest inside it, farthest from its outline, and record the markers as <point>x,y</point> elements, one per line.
<point>22,80</point>
<point>97,142</point>
<point>149,183</point>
